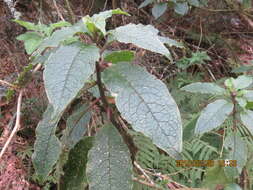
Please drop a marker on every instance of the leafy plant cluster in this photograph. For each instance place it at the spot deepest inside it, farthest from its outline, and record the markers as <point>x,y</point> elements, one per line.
<point>70,65</point>
<point>137,110</point>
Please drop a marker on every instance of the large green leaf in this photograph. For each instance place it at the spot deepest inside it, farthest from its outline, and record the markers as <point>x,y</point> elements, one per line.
<point>31,41</point>
<point>204,88</point>
<point>213,116</point>
<point>60,35</point>
<point>145,102</point>
<point>237,149</point>
<point>77,125</point>
<point>159,9</point>
<point>75,169</point>
<point>145,37</point>
<point>66,72</point>
<point>98,21</point>
<point>47,147</point>
<point>247,119</point>
<point>109,164</point>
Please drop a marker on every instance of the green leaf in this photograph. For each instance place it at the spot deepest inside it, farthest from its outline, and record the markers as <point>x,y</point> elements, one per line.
<point>109,163</point>
<point>242,69</point>
<point>66,72</point>
<point>27,25</point>
<point>119,56</point>
<point>145,37</point>
<point>75,169</point>
<point>60,24</point>
<point>47,147</point>
<point>247,4</point>
<point>215,176</point>
<point>159,9</point>
<point>145,3</point>
<point>232,186</point>
<point>31,41</point>
<point>241,101</point>
<point>145,102</point>
<point>181,8</point>
<point>170,42</point>
<point>247,119</point>
<point>204,88</point>
<point>76,126</point>
<point>213,116</point>
<point>248,95</point>
<point>237,150</point>
<point>242,82</point>
<point>60,35</point>
<point>99,20</point>
<point>194,3</point>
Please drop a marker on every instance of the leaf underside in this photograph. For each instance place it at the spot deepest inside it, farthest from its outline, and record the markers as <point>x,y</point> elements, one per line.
<point>146,104</point>
<point>109,164</point>
<point>213,116</point>
<point>66,72</point>
<point>47,147</point>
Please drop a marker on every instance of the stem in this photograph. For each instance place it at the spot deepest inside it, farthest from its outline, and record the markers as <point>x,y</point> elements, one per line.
<point>112,116</point>
<point>71,14</point>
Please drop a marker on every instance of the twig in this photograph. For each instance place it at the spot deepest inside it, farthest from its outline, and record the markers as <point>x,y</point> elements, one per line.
<point>58,11</point>
<point>17,125</point>
<point>7,84</point>
<point>146,183</point>
<point>143,172</point>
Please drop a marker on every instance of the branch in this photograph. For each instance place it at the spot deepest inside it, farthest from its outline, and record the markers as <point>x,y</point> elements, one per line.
<point>17,125</point>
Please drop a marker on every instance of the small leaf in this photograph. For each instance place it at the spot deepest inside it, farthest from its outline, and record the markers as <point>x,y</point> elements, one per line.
<point>66,72</point>
<point>75,169</point>
<point>47,147</point>
<point>204,88</point>
<point>119,56</point>
<point>145,102</point>
<point>159,9</point>
<point>248,95</point>
<point>31,41</point>
<point>145,37</point>
<point>76,126</point>
<point>242,82</point>
<point>213,116</point>
<point>109,163</point>
<point>241,101</point>
<point>181,8</point>
<point>247,119</point>
<point>60,35</point>
<point>99,20</point>
<point>237,150</point>
<point>27,25</point>
<point>145,3</point>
